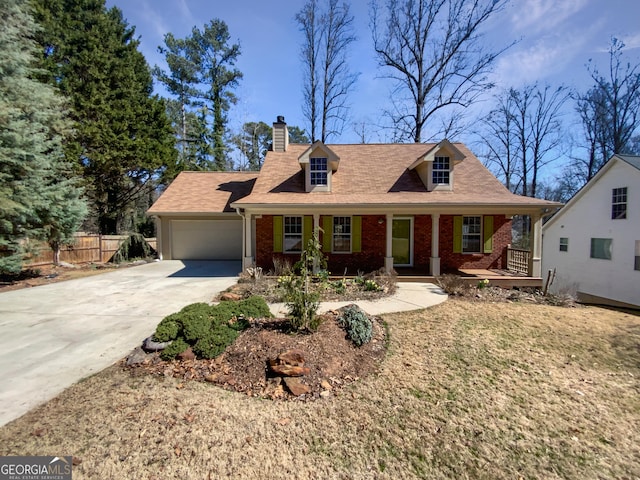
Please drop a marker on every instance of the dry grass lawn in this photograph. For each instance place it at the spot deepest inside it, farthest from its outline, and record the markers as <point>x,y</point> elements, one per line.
<point>468,390</point>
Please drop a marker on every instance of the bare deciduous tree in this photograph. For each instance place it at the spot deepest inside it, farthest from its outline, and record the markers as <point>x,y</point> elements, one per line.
<point>328,33</point>
<point>609,111</point>
<point>433,51</point>
<point>523,134</point>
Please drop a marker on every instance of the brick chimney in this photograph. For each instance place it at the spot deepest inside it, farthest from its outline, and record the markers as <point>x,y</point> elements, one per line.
<point>280,135</point>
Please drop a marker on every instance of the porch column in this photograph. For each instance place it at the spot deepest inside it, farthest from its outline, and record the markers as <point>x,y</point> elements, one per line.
<point>247,236</point>
<point>316,229</point>
<point>159,237</point>
<point>535,266</point>
<point>388,259</point>
<point>434,263</point>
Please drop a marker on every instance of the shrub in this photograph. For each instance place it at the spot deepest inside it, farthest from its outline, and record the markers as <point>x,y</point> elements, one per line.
<point>357,325</point>
<point>215,341</point>
<point>177,346</point>
<point>453,284</point>
<point>207,329</point>
<point>168,329</point>
<point>252,307</point>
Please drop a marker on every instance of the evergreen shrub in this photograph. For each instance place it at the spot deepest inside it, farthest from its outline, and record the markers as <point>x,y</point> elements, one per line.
<point>357,325</point>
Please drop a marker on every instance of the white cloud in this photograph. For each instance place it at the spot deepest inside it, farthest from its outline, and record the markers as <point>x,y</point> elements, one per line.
<point>544,15</point>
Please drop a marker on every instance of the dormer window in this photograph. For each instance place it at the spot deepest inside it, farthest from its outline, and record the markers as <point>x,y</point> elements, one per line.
<point>440,171</point>
<point>319,163</point>
<point>318,170</point>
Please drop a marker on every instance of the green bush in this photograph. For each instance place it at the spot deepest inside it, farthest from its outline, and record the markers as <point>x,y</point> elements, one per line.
<point>168,329</point>
<point>357,325</point>
<point>215,341</point>
<point>207,329</point>
<point>177,346</point>
<point>252,307</point>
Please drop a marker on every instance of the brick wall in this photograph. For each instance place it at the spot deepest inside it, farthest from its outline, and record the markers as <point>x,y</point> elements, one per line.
<point>496,259</point>
<point>373,246</point>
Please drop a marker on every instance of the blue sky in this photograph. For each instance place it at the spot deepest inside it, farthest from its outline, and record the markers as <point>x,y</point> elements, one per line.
<point>556,38</point>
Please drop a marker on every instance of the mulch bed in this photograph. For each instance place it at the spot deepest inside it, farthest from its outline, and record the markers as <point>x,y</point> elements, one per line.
<point>333,360</point>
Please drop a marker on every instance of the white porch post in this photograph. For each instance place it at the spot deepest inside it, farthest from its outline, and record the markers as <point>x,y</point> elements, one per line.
<point>159,237</point>
<point>535,266</point>
<point>388,259</point>
<point>316,230</point>
<point>247,236</point>
<point>434,263</point>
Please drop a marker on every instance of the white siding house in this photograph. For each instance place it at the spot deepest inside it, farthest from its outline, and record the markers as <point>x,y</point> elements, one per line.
<point>593,242</point>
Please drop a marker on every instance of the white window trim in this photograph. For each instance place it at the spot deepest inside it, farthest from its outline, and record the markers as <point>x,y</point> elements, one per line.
<point>625,203</point>
<point>436,170</point>
<point>284,233</point>
<point>462,234</point>
<point>312,171</point>
<point>333,235</point>
<point>565,244</point>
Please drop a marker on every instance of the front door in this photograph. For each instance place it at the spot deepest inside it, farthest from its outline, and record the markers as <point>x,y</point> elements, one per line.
<point>402,240</point>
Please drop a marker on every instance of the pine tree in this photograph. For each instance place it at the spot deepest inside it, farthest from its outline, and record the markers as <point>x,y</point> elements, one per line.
<point>123,137</point>
<point>39,198</point>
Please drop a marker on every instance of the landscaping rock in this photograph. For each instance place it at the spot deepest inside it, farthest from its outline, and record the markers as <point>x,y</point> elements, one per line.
<point>290,370</point>
<point>296,387</point>
<point>136,357</point>
<point>230,297</point>
<point>289,364</point>
<point>149,345</point>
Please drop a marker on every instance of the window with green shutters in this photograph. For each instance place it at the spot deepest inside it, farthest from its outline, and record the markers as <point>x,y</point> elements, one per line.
<point>473,234</point>
<point>342,234</point>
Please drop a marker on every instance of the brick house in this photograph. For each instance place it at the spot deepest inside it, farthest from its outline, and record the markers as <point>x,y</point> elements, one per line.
<point>431,208</point>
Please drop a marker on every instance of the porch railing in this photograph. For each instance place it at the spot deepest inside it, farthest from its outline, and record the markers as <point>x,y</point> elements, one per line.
<point>518,260</point>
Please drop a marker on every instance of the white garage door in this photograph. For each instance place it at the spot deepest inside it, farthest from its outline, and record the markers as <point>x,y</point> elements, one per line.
<point>206,239</point>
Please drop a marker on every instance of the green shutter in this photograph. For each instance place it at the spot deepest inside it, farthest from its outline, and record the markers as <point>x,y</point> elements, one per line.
<point>307,230</point>
<point>488,234</point>
<point>356,234</point>
<point>277,233</point>
<point>457,234</point>
<point>327,226</point>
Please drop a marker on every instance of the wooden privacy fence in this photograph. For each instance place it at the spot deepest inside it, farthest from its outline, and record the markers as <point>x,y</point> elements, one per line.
<point>518,260</point>
<point>85,248</point>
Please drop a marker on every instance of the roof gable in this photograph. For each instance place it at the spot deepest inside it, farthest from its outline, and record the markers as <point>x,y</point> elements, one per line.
<point>633,161</point>
<point>319,149</point>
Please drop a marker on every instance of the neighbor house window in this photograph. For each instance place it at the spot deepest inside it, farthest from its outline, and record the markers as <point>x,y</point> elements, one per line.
<point>637,258</point>
<point>342,234</point>
<point>564,244</point>
<point>292,234</point>
<point>441,171</point>
<point>619,203</point>
<point>601,248</point>
<point>471,234</point>
<point>318,171</point>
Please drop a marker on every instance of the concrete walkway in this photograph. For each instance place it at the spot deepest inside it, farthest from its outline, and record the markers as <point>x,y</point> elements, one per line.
<point>54,335</point>
<point>408,296</point>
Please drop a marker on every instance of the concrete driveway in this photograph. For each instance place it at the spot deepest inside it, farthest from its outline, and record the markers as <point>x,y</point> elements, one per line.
<point>54,335</point>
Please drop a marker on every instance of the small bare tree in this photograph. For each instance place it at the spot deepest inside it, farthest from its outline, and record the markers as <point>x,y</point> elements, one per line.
<point>432,50</point>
